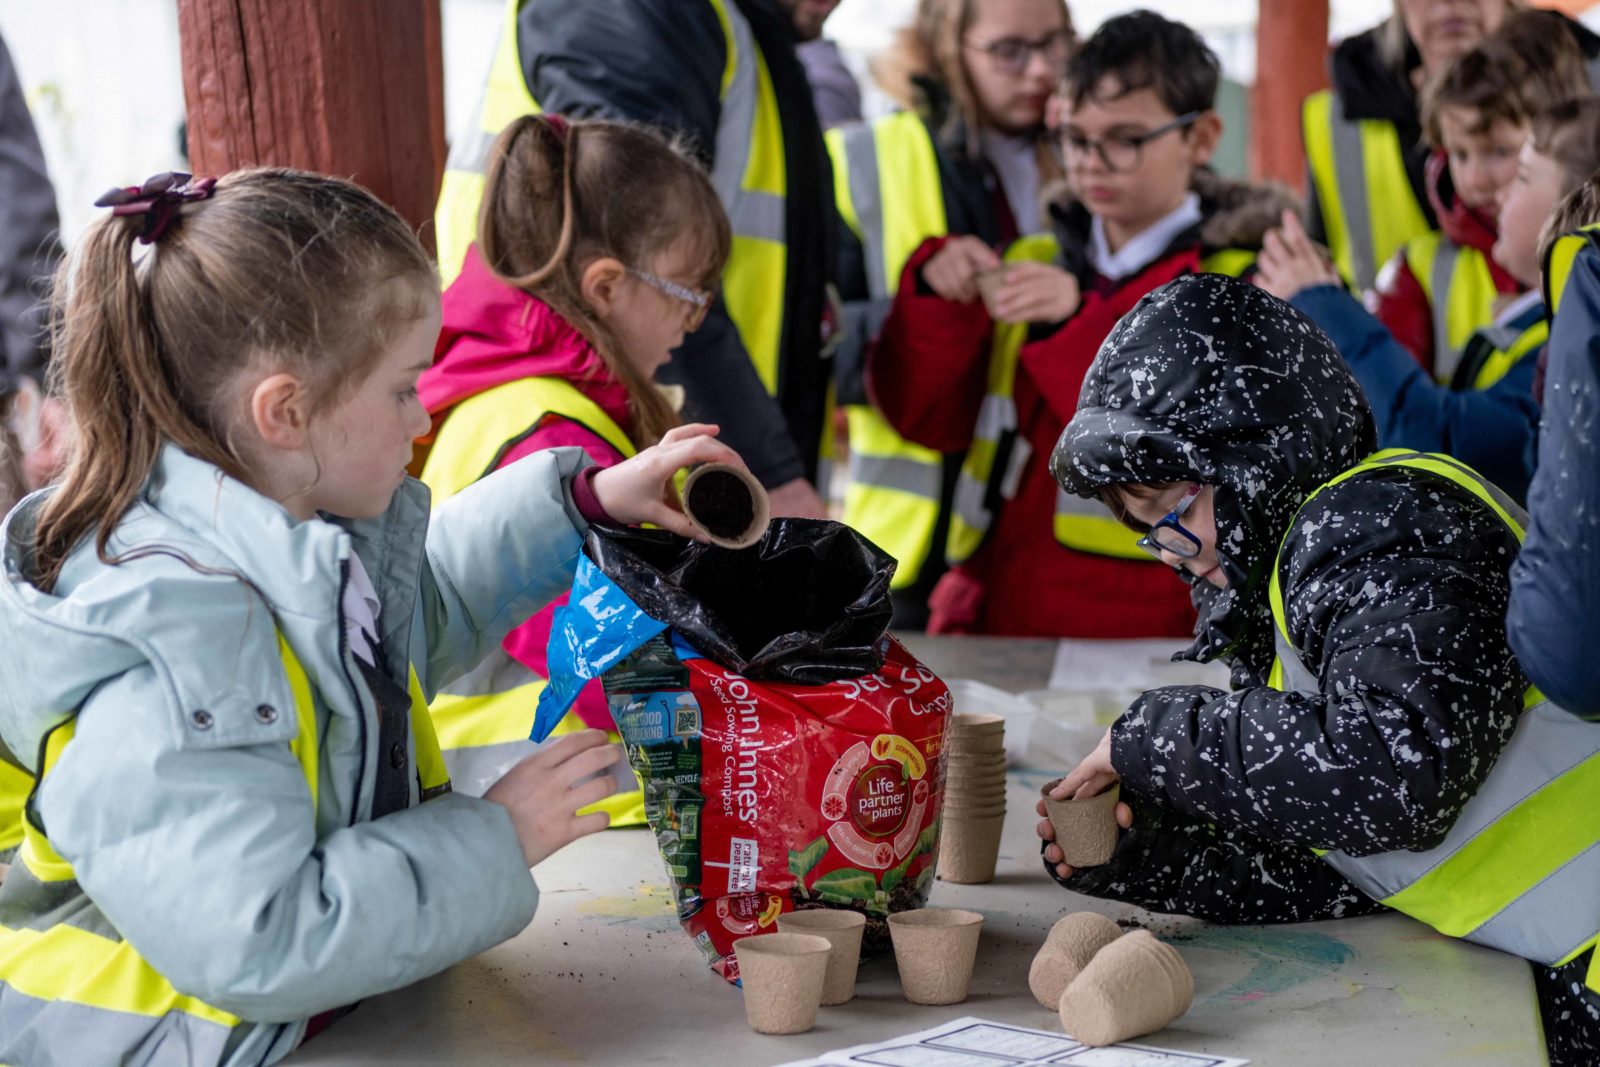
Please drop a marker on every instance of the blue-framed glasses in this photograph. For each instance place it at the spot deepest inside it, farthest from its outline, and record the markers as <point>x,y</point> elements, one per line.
<point>1168,535</point>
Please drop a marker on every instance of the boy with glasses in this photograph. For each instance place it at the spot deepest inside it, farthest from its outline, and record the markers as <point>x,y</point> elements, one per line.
<point>998,380</point>
<point>1380,744</point>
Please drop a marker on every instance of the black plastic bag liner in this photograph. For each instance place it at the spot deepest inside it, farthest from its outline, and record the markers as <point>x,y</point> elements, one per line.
<point>808,603</point>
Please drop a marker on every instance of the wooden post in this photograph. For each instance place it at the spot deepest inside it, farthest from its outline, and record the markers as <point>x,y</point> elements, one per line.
<point>1291,64</point>
<point>351,88</point>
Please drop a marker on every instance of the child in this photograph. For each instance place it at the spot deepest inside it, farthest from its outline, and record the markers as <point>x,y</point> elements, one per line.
<point>1137,128</point>
<point>598,244</point>
<point>967,156</point>
<point>1486,415</point>
<point>222,624</point>
<point>1359,600</point>
<point>1442,286</point>
<point>1556,578</point>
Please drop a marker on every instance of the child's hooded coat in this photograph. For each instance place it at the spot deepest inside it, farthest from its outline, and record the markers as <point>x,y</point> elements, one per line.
<point>1395,586</point>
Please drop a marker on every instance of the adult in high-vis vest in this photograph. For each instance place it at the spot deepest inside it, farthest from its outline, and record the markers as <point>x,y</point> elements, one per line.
<point>1477,116</point>
<point>238,822</point>
<point>723,74</point>
<point>1382,746</point>
<point>965,157</point>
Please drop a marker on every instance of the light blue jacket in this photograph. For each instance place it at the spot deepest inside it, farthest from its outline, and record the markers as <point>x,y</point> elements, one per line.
<point>179,804</point>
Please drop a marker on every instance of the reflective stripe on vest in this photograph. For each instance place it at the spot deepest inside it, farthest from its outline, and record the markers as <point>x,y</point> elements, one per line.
<point>1494,350</point>
<point>483,718</point>
<point>69,966</point>
<point>1558,263</point>
<point>887,187</point>
<point>749,174</point>
<point>1460,291</point>
<point>1358,168</point>
<point>1518,868</point>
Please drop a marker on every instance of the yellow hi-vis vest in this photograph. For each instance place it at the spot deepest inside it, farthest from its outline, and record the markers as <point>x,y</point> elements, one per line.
<point>1559,260</point>
<point>886,185</point>
<point>80,959</point>
<point>1492,351</point>
<point>999,453</point>
<point>1359,170</point>
<point>1518,870</point>
<point>483,719</point>
<point>749,173</point>
<point>1460,291</point>
<point>15,785</point>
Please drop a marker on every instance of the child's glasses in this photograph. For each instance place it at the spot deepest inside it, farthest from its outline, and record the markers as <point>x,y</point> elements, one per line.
<point>1168,535</point>
<point>699,301</point>
<point>1011,55</point>
<point>1120,151</point>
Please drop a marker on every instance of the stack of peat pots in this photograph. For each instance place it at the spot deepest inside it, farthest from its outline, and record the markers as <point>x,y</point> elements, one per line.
<point>974,798</point>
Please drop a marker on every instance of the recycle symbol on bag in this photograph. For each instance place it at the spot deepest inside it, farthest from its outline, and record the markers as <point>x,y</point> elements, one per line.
<point>874,797</point>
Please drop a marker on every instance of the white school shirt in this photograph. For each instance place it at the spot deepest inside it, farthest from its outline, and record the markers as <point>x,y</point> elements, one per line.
<point>360,608</point>
<point>1016,162</point>
<point>1145,247</point>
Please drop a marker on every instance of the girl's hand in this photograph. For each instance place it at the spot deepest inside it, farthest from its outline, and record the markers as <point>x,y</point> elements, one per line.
<point>1290,262</point>
<point>640,489</point>
<point>544,792</point>
<point>1036,292</point>
<point>952,272</point>
<point>1090,778</point>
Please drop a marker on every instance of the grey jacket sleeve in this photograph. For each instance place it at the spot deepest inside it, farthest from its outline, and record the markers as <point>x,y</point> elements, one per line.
<point>29,230</point>
<point>277,923</point>
<point>661,64</point>
<point>1555,582</point>
<point>497,553</point>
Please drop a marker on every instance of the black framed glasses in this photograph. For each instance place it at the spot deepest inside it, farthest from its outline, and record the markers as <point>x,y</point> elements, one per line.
<point>1011,55</point>
<point>699,301</point>
<point>1121,151</point>
<point>1168,535</point>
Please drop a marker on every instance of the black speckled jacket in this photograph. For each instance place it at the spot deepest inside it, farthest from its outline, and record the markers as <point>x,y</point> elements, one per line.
<point>1395,587</point>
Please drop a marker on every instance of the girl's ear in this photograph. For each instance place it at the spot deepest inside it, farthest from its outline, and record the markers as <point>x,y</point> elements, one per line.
<point>280,409</point>
<point>601,284</point>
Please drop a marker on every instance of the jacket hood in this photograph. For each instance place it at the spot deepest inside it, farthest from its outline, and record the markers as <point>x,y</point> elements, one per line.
<point>1234,214</point>
<point>1210,379</point>
<point>1466,226</point>
<point>493,333</point>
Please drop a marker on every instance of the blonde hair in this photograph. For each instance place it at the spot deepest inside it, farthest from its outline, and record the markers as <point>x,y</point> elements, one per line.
<point>1579,208</point>
<point>279,268</point>
<point>560,195</point>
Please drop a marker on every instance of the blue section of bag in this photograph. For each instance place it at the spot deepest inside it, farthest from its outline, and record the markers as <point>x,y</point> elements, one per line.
<point>598,627</point>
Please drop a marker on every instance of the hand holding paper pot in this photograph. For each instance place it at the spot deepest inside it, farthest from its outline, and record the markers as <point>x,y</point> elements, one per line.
<point>728,503</point>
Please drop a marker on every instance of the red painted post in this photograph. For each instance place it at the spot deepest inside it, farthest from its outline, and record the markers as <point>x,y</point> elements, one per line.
<point>1291,64</point>
<point>352,88</point>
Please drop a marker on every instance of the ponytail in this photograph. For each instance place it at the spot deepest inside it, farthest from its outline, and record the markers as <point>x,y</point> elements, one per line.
<point>559,195</point>
<point>119,395</point>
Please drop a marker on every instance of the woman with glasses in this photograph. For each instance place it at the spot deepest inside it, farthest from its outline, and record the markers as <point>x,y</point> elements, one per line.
<point>959,169</point>
<point>1381,744</point>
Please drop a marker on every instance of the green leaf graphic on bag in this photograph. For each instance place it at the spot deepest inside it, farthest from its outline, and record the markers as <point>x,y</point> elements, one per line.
<point>845,886</point>
<point>803,862</point>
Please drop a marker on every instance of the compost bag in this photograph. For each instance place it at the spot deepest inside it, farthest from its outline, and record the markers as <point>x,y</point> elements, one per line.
<point>787,746</point>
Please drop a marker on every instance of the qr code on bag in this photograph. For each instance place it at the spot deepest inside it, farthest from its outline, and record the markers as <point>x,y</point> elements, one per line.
<point>686,716</point>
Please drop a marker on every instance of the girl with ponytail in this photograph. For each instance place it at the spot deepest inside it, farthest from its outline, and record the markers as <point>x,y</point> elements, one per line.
<point>223,626</point>
<point>598,246</point>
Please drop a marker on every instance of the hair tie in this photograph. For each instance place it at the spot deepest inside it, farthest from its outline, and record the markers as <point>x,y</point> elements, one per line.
<point>558,126</point>
<point>156,200</point>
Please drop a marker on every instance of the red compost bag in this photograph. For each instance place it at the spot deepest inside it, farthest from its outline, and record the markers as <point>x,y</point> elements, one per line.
<point>766,797</point>
<point>788,748</point>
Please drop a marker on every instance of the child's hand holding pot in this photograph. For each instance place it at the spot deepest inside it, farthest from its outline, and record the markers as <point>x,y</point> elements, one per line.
<point>1091,777</point>
<point>640,490</point>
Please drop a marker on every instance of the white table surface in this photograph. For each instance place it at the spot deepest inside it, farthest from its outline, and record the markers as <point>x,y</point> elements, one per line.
<point>604,974</point>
